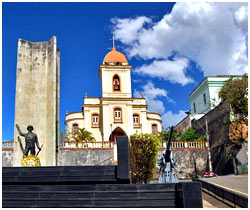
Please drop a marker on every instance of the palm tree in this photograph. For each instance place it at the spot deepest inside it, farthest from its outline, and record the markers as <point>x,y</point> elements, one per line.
<point>83,135</point>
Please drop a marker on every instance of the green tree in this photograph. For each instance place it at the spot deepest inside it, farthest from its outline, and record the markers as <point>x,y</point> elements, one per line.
<point>189,135</point>
<point>165,133</point>
<point>83,135</point>
<point>143,155</point>
<point>235,92</point>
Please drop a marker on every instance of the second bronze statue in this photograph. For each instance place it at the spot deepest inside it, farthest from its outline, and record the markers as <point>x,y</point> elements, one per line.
<point>30,141</point>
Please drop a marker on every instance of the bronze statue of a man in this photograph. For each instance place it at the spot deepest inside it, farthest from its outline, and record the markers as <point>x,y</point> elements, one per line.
<point>30,140</point>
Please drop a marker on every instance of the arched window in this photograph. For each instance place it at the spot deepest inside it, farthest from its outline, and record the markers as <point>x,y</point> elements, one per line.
<point>116,83</point>
<point>136,120</point>
<point>154,129</point>
<point>117,114</point>
<point>95,120</point>
<point>74,128</point>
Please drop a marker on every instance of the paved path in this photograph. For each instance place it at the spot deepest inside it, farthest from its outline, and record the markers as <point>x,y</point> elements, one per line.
<point>237,183</point>
<point>207,204</point>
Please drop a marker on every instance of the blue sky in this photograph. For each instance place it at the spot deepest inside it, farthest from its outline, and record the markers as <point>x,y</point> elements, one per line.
<point>170,46</point>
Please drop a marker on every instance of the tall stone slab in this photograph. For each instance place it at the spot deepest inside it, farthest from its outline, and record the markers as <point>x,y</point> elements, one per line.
<point>37,97</point>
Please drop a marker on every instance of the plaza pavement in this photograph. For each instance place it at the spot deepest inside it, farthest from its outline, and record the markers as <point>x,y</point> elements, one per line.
<point>235,183</point>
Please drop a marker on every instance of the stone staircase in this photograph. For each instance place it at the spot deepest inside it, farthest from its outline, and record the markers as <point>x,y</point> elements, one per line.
<point>91,186</point>
<point>95,195</point>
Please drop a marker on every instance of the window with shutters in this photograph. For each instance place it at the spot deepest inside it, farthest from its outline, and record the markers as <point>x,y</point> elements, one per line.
<point>154,129</point>
<point>74,128</point>
<point>95,120</point>
<point>136,120</point>
<point>117,114</point>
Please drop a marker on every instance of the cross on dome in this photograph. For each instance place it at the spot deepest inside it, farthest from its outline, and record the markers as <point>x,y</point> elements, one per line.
<point>113,39</point>
<point>114,55</point>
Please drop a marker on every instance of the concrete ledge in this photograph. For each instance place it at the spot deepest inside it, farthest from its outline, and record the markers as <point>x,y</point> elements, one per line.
<point>234,197</point>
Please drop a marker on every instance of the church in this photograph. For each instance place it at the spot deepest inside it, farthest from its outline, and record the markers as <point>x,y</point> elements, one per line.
<point>116,113</point>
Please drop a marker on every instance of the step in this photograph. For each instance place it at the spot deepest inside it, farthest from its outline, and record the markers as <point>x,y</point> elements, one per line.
<point>95,203</point>
<point>69,174</point>
<point>91,187</point>
<point>58,168</point>
<point>103,195</point>
<point>87,194</point>
<point>99,195</point>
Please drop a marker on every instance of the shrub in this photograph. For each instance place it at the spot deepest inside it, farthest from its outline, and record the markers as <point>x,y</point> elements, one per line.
<point>143,155</point>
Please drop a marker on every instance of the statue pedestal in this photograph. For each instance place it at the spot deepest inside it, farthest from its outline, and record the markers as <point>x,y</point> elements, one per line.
<point>30,161</point>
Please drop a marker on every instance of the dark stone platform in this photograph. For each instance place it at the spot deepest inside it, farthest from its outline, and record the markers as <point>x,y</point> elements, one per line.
<point>96,195</point>
<point>92,186</point>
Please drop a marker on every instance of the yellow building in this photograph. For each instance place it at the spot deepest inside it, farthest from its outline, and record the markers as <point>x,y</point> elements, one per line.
<point>116,113</point>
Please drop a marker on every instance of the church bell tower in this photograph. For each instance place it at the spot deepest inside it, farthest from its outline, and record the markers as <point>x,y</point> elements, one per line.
<point>115,74</point>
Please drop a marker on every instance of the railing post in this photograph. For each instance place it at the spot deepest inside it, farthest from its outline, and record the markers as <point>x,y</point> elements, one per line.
<point>123,166</point>
<point>115,151</point>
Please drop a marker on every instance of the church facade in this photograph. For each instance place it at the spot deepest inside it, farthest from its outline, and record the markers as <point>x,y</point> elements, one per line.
<point>116,113</point>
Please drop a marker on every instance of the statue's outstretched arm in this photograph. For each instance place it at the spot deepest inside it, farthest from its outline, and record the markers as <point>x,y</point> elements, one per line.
<point>19,131</point>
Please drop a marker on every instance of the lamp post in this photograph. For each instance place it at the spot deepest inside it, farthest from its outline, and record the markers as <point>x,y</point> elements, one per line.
<point>208,144</point>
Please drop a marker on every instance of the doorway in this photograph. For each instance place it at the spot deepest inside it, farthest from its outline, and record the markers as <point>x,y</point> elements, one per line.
<point>117,132</point>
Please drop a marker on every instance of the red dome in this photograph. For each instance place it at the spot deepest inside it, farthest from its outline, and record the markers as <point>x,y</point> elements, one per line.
<point>115,56</point>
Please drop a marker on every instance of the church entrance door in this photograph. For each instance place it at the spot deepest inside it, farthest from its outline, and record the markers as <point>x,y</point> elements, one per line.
<point>117,132</point>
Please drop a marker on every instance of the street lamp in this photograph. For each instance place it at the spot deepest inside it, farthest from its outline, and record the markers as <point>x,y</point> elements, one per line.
<point>207,134</point>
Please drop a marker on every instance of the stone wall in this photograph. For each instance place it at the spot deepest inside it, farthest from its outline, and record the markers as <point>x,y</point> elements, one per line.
<point>242,158</point>
<point>81,157</point>
<point>37,96</point>
<point>191,162</point>
<point>7,157</point>
<point>223,151</point>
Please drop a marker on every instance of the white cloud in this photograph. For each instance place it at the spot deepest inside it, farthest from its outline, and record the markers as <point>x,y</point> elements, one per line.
<point>137,80</point>
<point>132,26</point>
<point>137,94</point>
<point>151,93</point>
<point>242,18</point>
<point>155,105</point>
<point>214,35</point>
<point>169,119</point>
<point>173,71</point>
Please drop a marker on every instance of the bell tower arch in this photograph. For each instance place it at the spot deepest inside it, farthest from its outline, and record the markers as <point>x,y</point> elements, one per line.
<point>115,74</point>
